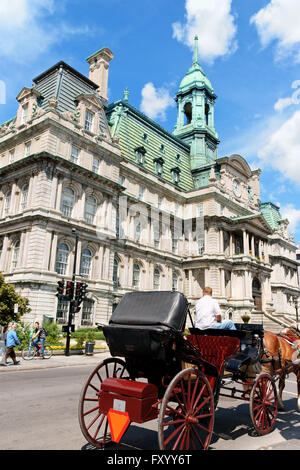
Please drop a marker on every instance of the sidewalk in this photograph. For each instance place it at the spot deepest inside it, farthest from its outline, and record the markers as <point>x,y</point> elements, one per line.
<point>57,361</point>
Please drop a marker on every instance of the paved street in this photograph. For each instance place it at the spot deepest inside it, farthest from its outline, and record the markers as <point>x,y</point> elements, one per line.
<point>39,411</point>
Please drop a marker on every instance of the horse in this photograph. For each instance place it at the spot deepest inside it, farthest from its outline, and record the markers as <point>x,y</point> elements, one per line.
<point>282,354</point>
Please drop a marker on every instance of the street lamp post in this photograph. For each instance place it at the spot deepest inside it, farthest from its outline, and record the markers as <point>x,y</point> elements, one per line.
<point>71,308</point>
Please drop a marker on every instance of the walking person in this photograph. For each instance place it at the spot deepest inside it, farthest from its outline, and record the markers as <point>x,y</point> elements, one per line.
<point>3,344</point>
<point>208,313</point>
<point>12,340</point>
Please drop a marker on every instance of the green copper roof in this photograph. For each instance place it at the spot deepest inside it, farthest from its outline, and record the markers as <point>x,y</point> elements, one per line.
<point>195,76</point>
<point>271,213</point>
<point>138,133</point>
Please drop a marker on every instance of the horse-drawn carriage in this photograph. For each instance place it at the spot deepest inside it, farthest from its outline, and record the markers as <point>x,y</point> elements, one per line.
<point>175,377</point>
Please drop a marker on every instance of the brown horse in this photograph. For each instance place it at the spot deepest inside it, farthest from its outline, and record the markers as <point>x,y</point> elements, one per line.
<point>283,353</point>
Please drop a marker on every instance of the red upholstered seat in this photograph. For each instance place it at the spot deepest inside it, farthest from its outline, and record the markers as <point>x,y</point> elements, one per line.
<point>215,349</point>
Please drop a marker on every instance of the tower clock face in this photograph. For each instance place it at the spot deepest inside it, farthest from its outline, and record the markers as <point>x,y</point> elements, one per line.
<point>236,188</point>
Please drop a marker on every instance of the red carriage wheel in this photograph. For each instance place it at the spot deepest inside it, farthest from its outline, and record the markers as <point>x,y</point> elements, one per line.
<point>263,404</point>
<point>186,416</point>
<point>93,424</point>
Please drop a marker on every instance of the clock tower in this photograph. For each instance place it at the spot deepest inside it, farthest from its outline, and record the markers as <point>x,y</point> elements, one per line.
<point>195,115</point>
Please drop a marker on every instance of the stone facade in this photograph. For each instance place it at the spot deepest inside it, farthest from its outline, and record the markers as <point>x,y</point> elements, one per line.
<point>150,210</point>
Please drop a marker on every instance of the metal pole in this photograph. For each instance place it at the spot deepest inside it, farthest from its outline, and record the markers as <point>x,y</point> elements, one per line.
<point>71,308</point>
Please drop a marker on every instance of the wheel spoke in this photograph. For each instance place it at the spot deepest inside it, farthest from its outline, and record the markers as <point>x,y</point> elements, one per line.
<point>93,423</point>
<point>184,427</point>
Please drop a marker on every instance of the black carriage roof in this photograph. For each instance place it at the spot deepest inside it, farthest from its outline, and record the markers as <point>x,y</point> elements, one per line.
<point>151,309</point>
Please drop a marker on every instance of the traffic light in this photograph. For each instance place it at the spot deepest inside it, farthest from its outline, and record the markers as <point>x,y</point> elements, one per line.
<point>78,290</point>
<point>60,289</point>
<point>80,295</point>
<point>69,290</point>
<point>83,290</point>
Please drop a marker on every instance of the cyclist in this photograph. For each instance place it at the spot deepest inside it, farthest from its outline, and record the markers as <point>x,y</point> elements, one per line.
<point>39,336</point>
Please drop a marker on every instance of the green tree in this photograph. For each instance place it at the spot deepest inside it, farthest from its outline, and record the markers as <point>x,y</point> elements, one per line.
<point>8,298</point>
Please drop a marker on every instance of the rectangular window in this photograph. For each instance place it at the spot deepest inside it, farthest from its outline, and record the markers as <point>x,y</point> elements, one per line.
<point>62,311</point>
<point>200,245</point>
<point>11,156</point>
<point>96,164</point>
<point>27,149</point>
<point>87,312</point>
<point>141,192</point>
<point>88,124</point>
<point>74,154</point>
<point>200,210</point>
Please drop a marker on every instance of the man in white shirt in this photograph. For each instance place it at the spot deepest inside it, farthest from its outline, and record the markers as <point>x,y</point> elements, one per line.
<point>208,313</point>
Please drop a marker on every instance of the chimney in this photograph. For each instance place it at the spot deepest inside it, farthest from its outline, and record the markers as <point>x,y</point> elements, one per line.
<point>98,72</point>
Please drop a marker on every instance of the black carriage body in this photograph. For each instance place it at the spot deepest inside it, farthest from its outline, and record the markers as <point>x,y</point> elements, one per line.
<point>144,329</point>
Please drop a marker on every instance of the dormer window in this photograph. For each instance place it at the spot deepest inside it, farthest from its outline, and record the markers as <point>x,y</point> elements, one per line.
<point>159,162</point>
<point>140,155</point>
<point>88,123</point>
<point>24,114</point>
<point>175,175</point>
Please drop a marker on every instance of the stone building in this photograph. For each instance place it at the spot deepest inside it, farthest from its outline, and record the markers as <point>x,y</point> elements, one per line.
<point>153,209</point>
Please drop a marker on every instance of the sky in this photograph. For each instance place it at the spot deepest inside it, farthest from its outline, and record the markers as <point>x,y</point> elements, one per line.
<point>249,49</point>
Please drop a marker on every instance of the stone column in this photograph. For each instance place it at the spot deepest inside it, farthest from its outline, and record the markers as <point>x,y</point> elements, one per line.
<point>53,251</point>
<point>221,240</point>
<point>3,259</point>
<point>245,242</point>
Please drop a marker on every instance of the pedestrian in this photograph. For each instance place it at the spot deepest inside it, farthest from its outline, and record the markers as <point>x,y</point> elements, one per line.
<point>12,340</point>
<point>3,344</point>
<point>208,313</point>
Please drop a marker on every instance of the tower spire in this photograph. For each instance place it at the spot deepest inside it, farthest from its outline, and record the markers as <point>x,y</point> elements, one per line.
<point>196,52</point>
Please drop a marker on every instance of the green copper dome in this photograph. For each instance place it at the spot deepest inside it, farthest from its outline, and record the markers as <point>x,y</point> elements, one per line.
<point>195,76</point>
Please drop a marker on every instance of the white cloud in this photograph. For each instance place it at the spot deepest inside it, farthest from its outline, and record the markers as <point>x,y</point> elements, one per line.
<point>293,215</point>
<point>279,21</point>
<point>214,25</point>
<point>282,150</point>
<point>26,29</point>
<point>283,103</point>
<point>155,101</point>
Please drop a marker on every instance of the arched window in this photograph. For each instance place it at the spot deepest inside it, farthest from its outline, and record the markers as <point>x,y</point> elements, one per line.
<point>156,279</point>
<point>188,113</point>
<point>7,199</point>
<point>24,197</point>
<point>85,262</point>
<point>15,255</point>
<point>136,275</point>
<point>174,281</point>
<point>116,272</point>
<point>67,201</point>
<point>62,258</point>
<point>90,209</point>
<point>207,109</point>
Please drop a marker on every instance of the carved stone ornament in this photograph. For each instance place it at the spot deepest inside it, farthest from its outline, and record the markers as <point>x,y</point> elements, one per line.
<point>53,103</point>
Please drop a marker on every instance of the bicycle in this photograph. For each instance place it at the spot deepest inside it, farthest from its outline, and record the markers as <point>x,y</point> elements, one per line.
<point>29,352</point>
